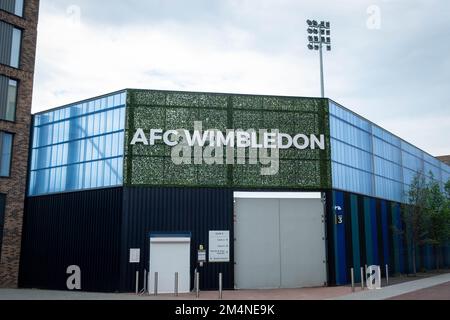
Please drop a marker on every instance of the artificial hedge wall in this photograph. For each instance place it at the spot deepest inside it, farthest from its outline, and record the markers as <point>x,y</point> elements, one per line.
<point>152,166</point>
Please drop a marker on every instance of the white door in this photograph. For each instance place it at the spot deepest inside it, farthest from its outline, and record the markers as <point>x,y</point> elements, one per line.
<point>169,255</point>
<point>280,240</point>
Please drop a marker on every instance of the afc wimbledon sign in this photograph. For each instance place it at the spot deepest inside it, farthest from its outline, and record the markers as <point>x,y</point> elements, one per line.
<point>207,147</point>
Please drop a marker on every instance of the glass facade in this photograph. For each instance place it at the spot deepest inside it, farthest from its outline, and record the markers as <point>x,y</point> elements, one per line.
<point>79,147</point>
<point>369,160</point>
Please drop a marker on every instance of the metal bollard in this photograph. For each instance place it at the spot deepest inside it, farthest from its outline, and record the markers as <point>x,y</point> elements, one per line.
<point>352,275</point>
<point>362,278</point>
<point>379,275</point>
<point>137,282</point>
<point>197,285</point>
<point>176,284</point>
<point>387,275</point>
<point>156,284</point>
<point>220,286</point>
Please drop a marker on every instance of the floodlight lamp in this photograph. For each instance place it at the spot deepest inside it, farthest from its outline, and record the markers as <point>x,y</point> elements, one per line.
<point>328,40</point>
<point>316,47</point>
<point>327,25</point>
<point>310,31</point>
<point>309,22</point>
<point>328,48</point>
<point>310,47</point>
<point>310,38</point>
<point>316,31</point>
<point>315,23</point>
<point>328,32</point>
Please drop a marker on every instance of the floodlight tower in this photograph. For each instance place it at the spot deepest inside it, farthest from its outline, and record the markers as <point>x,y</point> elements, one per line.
<point>319,35</point>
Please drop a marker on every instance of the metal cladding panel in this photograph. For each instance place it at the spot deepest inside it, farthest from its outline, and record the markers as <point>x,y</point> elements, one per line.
<point>371,233</point>
<point>179,210</point>
<point>149,166</point>
<point>80,229</point>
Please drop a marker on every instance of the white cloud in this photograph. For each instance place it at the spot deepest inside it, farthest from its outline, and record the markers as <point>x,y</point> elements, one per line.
<point>75,62</point>
<point>391,76</point>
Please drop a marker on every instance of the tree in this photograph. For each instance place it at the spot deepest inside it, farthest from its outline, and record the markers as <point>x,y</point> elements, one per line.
<point>438,207</point>
<point>415,215</point>
<point>447,190</point>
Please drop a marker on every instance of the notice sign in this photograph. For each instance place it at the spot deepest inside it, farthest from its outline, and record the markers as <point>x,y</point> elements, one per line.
<point>219,246</point>
<point>135,255</point>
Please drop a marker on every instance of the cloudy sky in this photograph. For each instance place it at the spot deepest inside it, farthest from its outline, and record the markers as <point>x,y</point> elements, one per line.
<point>390,60</point>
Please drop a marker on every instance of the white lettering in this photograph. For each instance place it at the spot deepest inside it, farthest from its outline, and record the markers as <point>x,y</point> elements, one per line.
<point>155,134</point>
<point>139,137</point>
<point>281,138</point>
<point>168,141</point>
<point>319,142</point>
<point>305,143</point>
<point>243,139</point>
<point>270,141</point>
<point>239,139</point>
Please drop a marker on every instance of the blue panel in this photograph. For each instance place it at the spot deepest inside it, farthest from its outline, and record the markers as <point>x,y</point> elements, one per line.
<point>339,240</point>
<point>368,231</point>
<point>374,226</point>
<point>385,225</point>
<point>369,160</point>
<point>78,147</point>
<point>355,237</point>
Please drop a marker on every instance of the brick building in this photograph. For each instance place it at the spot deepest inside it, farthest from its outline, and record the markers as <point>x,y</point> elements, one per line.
<point>445,159</point>
<point>18,31</point>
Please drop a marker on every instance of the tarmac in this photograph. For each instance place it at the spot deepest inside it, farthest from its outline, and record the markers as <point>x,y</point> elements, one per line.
<point>431,287</point>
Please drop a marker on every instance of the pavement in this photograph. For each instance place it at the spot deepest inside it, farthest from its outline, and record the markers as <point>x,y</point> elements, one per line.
<point>436,287</point>
<point>405,289</point>
<point>440,292</point>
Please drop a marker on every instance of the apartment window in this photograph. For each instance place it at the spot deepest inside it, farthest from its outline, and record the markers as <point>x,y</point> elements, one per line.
<point>15,47</point>
<point>10,44</point>
<point>8,98</point>
<point>12,6</point>
<point>6,142</point>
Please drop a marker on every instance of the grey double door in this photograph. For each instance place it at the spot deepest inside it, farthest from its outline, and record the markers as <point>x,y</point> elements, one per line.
<point>279,243</point>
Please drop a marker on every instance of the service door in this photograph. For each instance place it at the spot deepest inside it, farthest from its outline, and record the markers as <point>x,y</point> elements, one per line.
<point>168,255</point>
<point>280,240</point>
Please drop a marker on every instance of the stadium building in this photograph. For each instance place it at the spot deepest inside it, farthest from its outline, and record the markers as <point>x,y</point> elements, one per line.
<point>272,192</point>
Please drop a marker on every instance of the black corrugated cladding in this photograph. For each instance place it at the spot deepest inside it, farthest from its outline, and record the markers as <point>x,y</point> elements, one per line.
<point>194,210</point>
<point>80,228</point>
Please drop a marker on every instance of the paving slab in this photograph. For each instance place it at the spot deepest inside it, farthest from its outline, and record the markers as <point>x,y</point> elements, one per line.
<point>440,292</point>
<point>398,289</point>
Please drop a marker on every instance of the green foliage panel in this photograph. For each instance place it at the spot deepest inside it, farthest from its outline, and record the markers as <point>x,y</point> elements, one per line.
<point>152,166</point>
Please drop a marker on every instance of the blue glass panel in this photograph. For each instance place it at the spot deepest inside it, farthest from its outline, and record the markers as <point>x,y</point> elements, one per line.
<point>386,150</point>
<point>79,147</point>
<point>369,160</point>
